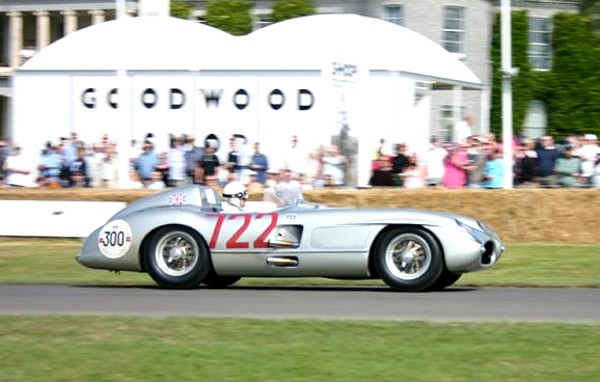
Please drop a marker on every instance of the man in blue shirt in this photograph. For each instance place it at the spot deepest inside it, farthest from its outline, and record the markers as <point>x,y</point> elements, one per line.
<point>146,163</point>
<point>259,164</point>
<point>547,156</point>
<point>50,165</point>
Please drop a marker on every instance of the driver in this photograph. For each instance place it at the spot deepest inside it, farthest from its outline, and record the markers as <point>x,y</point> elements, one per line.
<point>235,196</point>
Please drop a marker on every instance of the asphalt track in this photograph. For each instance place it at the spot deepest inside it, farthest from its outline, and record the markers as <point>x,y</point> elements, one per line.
<point>569,305</point>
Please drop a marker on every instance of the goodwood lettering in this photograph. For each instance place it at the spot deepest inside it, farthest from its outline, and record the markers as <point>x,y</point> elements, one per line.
<point>176,98</point>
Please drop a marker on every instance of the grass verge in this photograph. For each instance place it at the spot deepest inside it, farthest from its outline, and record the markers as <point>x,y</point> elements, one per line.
<point>184,349</point>
<point>57,348</point>
<point>37,260</point>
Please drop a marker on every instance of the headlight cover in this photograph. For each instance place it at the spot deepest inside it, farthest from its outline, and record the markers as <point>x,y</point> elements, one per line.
<point>474,229</point>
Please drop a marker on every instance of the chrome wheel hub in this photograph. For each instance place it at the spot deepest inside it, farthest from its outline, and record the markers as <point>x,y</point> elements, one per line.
<point>176,253</point>
<point>408,256</point>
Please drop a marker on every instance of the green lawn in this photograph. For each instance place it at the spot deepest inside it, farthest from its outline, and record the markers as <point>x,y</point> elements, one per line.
<point>64,349</point>
<point>52,261</point>
<point>193,349</point>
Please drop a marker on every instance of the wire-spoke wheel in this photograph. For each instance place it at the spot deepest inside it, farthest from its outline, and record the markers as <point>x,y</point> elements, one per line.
<point>213,280</point>
<point>445,280</point>
<point>177,258</point>
<point>409,259</point>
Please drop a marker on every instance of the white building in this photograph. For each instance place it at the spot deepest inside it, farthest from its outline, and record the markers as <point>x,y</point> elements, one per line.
<point>463,27</point>
<point>161,75</point>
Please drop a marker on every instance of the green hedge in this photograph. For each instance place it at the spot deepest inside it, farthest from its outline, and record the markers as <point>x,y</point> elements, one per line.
<point>570,91</point>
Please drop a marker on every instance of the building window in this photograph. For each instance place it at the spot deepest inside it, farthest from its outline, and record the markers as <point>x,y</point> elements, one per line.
<point>448,122</point>
<point>540,49</point>
<point>394,14</point>
<point>446,130</point>
<point>263,21</point>
<point>454,29</point>
<point>536,120</point>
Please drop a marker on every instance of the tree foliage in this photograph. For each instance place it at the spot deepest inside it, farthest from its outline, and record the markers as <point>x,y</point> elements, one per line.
<point>289,9</point>
<point>521,84</point>
<point>590,9</point>
<point>181,9</point>
<point>570,91</point>
<point>496,81</point>
<point>574,99</point>
<point>232,16</point>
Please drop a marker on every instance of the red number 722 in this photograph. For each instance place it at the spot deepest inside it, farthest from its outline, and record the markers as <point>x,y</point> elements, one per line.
<point>233,242</point>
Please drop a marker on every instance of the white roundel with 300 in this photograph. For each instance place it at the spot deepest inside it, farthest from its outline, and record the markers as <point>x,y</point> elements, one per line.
<point>114,239</point>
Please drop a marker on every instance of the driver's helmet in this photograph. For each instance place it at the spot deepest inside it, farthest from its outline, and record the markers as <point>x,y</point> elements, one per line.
<point>235,191</point>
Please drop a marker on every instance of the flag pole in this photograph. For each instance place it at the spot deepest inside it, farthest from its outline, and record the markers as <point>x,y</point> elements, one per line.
<point>508,72</point>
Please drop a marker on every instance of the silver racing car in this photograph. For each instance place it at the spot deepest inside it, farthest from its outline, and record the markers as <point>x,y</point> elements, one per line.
<point>183,239</point>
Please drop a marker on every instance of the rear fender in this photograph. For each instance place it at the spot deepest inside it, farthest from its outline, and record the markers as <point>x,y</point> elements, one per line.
<point>144,223</point>
<point>142,260</point>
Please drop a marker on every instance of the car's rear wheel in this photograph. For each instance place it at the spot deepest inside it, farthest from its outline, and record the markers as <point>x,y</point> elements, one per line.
<point>177,257</point>
<point>409,259</point>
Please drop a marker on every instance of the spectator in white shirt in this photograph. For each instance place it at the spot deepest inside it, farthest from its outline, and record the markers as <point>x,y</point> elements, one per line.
<point>17,170</point>
<point>296,158</point>
<point>587,154</point>
<point>434,162</point>
<point>176,160</point>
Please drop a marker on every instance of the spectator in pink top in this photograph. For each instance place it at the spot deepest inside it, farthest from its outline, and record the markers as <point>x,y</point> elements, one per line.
<point>456,163</point>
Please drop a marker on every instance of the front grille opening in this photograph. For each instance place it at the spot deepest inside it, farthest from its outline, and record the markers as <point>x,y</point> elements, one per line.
<point>488,253</point>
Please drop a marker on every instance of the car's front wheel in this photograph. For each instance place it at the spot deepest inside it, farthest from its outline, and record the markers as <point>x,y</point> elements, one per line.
<point>409,259</point>
<point>445,280</point>
<point>177,257</point>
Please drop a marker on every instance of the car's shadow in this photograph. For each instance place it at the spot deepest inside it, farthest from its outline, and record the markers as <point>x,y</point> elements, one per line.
<point>299,288</point>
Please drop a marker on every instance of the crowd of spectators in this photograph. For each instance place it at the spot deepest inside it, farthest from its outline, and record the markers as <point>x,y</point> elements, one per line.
<point>475,162</point>
<point>478,162</point>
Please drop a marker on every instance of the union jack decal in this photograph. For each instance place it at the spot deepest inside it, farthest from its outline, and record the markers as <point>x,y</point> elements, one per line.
<point>176,199</point>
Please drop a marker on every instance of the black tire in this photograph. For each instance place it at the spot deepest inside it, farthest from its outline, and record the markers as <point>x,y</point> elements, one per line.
<point>213,280</point>
<point>409,259</point>
<point>446,279</point>
<point>177,258</point>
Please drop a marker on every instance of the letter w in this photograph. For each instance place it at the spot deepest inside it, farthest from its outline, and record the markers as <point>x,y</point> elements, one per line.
<point>211,96</point>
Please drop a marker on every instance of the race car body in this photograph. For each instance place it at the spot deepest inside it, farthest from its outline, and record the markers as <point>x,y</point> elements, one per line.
<point>183,239</point>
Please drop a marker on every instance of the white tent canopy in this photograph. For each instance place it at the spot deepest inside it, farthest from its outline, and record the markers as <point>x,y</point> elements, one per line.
<point>312,42</point>
<point>307,76</point>
<point>135,43</point>
<point>304,43</point>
